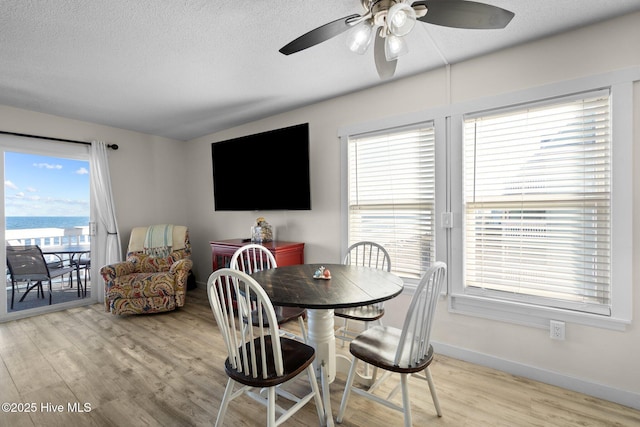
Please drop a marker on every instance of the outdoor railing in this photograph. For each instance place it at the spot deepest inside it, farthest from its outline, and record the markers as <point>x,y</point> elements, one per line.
<point>44,237</point>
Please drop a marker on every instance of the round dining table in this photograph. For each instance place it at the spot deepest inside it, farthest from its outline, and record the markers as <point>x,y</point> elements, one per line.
<point>348,286</point>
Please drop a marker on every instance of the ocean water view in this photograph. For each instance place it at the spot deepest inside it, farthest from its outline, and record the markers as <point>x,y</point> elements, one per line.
<point>27,222</point>
<point>46,230</point>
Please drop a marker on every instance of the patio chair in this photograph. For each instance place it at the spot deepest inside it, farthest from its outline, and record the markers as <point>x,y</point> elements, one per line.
<point>405,351</point>
<point>27,264</point>
<point>83,262</point>
<point>253,257</point>
<point>259,359</point>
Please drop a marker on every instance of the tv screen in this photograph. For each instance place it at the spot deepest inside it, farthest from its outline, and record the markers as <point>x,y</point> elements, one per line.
<point>264,171</point>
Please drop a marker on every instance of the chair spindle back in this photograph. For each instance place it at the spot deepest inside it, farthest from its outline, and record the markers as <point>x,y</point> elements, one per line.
<point>252,258</point>
<point>368,254</point>
<point>416,332</point>
<point>246,346</point>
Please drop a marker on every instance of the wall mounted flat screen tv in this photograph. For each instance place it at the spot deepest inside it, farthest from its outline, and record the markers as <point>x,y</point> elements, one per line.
<point>264,171</point>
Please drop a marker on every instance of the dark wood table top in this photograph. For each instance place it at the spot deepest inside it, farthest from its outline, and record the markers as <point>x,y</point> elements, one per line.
<point>349,286</point>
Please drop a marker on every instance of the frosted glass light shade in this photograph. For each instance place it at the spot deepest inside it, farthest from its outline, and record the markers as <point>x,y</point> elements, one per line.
<point>394,47</point>
<point>400,19</point>
<point>359,37</point>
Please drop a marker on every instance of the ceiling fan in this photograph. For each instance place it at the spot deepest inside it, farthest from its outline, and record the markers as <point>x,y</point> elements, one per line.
<point>388,21</point>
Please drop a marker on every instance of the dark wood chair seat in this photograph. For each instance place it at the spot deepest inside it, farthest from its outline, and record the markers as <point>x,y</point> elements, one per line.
<point>366,313</point>
<point>283,314</point>
<point>296,356</point>
<point>287,314</point>
<point>378,346</point>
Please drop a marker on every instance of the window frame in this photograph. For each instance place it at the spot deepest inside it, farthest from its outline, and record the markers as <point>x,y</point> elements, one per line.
<point>392,124</point>
<point>448,122</point>
<point>621,86</point>
<point>507,215</point>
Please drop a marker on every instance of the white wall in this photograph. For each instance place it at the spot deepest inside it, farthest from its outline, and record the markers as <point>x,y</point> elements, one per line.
<point>146,172</point>
<point>597,361</point>
<point>320,227</point>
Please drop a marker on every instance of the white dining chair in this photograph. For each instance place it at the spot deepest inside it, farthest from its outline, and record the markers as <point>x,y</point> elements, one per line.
<point>405,351</point>
<point>366,254</point>
<point>254,257</point>
<point>258,359</point>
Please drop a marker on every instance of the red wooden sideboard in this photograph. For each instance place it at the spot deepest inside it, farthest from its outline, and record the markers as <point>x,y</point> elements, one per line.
<point>286,253</point>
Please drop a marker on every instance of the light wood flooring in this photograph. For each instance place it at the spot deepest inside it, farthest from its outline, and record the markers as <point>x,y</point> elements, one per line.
<point>167,370</point>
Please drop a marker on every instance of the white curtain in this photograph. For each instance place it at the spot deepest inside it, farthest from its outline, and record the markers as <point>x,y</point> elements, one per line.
<point>108,249</point>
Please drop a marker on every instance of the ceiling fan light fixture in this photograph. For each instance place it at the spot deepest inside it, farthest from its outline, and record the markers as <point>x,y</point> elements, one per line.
<point>394,47</point>
<point>360,36</point>
<point>388,21</point>
<point>401,19</point>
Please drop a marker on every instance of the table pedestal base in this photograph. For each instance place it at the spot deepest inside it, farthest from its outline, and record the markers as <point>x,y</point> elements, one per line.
<point>322,339</point>
<point>327,363</point>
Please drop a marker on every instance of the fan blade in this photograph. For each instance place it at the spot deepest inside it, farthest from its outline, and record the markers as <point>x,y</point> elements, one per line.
<point>385,68</point>
<point>319,35</point>
<point>464,14</point>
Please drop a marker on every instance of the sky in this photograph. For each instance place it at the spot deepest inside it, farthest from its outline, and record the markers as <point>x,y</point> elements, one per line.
<point>37,185</point>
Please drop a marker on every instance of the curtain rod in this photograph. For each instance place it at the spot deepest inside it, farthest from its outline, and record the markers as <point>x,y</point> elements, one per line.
<point>112,146</point>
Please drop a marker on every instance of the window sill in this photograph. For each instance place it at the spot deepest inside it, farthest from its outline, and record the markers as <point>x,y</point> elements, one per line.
<point>528,315</point>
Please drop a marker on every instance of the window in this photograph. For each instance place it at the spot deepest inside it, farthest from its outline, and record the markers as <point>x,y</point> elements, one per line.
<point>524,195</point>
<point>391,194</point>
<point>537,203</point>
<point>46,202</point>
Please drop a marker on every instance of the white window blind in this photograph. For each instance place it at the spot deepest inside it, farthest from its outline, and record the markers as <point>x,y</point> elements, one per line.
<point>537,203</point>
<point>391,195</point>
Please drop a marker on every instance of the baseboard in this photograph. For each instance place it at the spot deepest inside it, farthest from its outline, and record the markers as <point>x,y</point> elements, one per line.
<point>601,391</point>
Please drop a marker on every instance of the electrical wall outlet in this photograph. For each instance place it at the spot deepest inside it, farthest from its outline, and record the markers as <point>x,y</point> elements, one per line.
<point>556,330</point>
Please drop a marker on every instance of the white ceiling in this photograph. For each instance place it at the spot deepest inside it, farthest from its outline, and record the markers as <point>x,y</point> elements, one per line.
<point>183,69</point>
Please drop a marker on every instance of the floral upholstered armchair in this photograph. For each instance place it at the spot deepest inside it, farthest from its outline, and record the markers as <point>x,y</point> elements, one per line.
<point>154,276</point>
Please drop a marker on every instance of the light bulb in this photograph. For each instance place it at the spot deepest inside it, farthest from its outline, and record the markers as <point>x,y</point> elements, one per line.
<point>394,47</point>
<point>400,19</point>
<point>359,37</point>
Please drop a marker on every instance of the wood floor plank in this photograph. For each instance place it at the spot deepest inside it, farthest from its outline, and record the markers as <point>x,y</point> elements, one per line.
<point>167,370</point>
<point>57,407</point>
<point>14,341</point>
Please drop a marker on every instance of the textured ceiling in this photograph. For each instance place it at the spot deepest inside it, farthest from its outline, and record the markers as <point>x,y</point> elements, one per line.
<point>183,69</point>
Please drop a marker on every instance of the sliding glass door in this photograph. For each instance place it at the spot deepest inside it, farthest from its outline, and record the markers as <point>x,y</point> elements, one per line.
<point>47,229</point>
